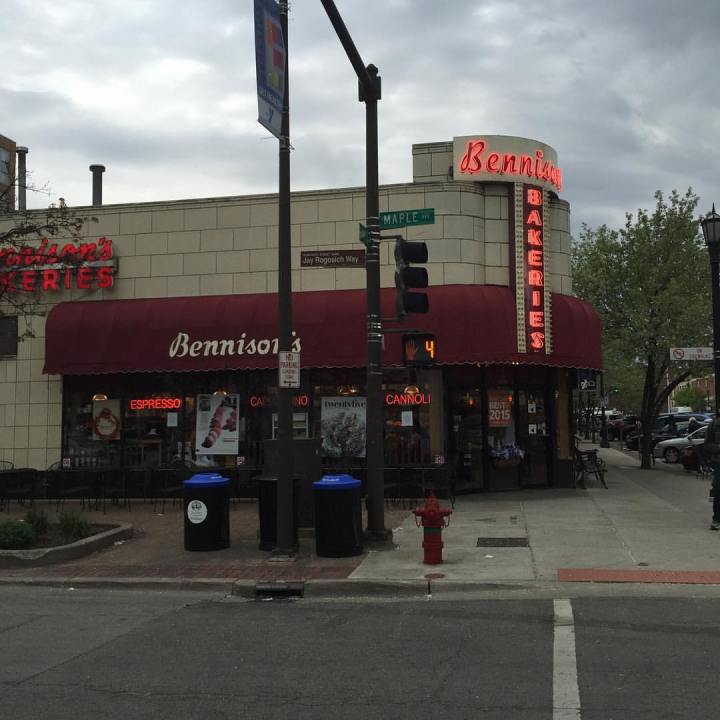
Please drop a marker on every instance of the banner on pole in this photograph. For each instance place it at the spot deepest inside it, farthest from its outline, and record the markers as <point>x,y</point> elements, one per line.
<point>269,65</point>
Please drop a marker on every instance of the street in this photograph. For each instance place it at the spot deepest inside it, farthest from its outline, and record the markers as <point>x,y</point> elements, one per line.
<point>118,654</point>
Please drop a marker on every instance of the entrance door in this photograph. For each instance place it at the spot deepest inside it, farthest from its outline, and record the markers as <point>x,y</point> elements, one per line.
<point>533,436</point>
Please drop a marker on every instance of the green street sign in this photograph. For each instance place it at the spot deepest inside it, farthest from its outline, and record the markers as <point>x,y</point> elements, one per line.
<point>403,218</point>
<point>364,235</point>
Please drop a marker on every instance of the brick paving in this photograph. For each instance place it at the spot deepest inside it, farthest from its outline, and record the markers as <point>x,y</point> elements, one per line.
<point>156,549</point>
<point>599,575</point>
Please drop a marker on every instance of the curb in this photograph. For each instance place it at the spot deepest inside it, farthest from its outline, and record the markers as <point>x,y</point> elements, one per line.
<point>13,559</point>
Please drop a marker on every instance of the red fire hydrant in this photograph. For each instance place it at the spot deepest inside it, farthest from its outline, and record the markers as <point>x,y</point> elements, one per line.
<point>433,519</point>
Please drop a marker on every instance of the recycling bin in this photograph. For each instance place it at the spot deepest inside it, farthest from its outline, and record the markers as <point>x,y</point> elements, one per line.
<point>206,500</point>
<point>267,510</point>
<point>338,516</point>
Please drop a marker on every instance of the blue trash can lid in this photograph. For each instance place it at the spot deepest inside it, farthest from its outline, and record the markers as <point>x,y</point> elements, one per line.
<point>206,480</point>
<point>337,482</point>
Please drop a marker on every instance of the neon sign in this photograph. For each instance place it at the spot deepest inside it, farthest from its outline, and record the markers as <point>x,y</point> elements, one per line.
<point>507,158</point>
<point>419,398</point>
<point>258,401</point>
<point>534,268</point>
<point>156,403</point>
<point>80,266</point>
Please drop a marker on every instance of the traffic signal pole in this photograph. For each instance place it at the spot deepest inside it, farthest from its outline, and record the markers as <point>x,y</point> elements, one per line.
<point>370,93</point>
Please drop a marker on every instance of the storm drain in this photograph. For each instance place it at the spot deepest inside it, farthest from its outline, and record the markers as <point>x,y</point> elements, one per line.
<point>502,542</point>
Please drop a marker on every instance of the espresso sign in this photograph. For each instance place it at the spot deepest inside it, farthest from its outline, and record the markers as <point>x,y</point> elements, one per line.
<point>333,258</point>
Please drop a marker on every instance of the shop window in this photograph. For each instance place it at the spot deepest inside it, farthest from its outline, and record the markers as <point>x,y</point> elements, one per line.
<point>407,422</point>
<point>300,426</point>
<point>8,336</point>
<point>501,424</point>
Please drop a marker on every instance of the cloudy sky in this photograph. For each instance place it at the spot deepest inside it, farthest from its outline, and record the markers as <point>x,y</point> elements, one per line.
<point>163,93</point>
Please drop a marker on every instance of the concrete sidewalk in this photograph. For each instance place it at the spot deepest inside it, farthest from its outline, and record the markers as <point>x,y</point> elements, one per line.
<point>649,526</point>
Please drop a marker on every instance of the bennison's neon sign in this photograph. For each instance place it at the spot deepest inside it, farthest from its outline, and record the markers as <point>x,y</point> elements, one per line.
<point>476,160</point>
<point>81,266</point>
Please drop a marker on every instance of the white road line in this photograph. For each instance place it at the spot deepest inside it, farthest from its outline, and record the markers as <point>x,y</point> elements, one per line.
<point>566,695</point>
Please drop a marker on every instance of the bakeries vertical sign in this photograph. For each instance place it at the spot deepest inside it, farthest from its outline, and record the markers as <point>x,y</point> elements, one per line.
<point>216,425</point>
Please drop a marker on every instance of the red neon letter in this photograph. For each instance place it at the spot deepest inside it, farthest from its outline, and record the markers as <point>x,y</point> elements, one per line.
<point>536,319</point>
<point>535,277</point>
<point>534,196</point>
<point>470,162</point>
<point>535,258</point>
<point>50,279</point>
<point>534,218</point>
<point>534,237</point>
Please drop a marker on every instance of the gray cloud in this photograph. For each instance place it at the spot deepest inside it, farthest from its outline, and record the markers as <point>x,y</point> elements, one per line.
<point>163,93</point>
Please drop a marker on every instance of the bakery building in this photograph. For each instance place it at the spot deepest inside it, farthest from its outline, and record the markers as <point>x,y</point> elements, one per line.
<point>158,342</point>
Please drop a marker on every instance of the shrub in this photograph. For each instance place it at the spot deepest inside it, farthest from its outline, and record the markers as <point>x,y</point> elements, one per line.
<point>37,520</point>
<point>16,534</point>
<point>73,526</point>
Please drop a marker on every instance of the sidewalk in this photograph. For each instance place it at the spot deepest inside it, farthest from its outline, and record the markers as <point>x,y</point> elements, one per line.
<point>649,526</point>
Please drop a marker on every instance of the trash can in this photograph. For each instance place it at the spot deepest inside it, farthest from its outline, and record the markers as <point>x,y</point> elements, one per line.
<point>267,510</point>
<point>338,516</point>
<point>206,500</point>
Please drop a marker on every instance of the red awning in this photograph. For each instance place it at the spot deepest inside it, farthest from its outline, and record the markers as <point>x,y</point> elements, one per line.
<point>472,324</point>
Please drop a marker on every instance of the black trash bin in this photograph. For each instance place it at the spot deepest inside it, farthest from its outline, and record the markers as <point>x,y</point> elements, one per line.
<point>267,510</point>
<point>338,516</point>
<point>206,499</point>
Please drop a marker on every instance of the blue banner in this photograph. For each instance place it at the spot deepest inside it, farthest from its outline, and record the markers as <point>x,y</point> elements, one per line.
<point>269,64</point>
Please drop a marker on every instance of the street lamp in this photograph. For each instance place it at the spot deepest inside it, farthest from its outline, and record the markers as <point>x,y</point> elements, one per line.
<point>711,230</point>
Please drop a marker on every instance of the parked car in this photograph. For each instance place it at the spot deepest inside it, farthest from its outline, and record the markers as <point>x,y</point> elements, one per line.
<point>670,450</point>
<point>667,425</point>
<point>624,426</point>
<point>632,442</point>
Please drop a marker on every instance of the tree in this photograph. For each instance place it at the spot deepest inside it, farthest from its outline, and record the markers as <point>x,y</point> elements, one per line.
<point>27,237</point>
<point>649,283</point>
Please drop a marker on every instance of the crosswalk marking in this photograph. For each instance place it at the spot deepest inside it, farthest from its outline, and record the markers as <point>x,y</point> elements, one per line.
<point>566,695</point>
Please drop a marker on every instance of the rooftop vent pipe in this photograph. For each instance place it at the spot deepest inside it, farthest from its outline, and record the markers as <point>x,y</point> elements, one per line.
<point>97,171</point>
<point>21,151</point>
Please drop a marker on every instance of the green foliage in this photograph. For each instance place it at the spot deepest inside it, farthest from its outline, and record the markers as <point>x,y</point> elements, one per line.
<point>37,520</point>
<point>73,526</point>
<point>15,535</point>
<point>693,397</point>
<point>650,284</point>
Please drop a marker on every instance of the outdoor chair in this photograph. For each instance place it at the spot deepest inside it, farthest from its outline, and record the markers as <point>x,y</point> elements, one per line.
<point>68,484</point>
<point>18,484</point>
<point>112,486</point>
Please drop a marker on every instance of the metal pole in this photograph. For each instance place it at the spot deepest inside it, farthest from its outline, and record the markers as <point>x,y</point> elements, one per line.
<point>285,542</point>
<point>603,420</point>
<point>715,282</point>
<point>370,93</point>
<point>374,431</point>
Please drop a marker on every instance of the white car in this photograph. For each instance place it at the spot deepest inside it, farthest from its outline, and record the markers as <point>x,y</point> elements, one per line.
<point>671,449</point>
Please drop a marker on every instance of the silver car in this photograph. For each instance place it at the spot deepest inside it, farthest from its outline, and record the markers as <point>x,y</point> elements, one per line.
<point>671,449</point>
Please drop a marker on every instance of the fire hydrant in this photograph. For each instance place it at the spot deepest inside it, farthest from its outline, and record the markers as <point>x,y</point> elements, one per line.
<point>433,519</point>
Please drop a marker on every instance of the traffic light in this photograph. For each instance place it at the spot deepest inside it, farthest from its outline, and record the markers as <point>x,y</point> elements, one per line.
<point>408,278</point>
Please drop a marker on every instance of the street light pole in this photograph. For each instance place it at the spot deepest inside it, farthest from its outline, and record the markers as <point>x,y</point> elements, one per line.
<point>711,230</point>
<point>369,92</point>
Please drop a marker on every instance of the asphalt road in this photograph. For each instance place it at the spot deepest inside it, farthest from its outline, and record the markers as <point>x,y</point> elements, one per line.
<point>124,654</point>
